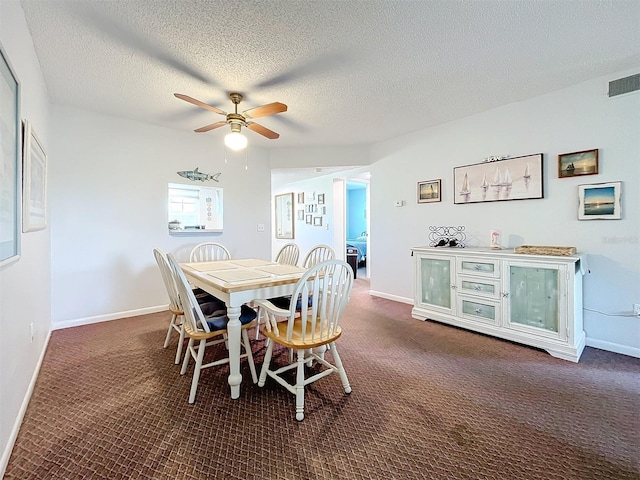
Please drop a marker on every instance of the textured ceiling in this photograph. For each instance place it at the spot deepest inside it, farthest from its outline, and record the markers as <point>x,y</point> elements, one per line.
<point>351,72</point>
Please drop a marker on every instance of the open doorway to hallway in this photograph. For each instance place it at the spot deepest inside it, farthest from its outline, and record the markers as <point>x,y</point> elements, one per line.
<point>357,223</point>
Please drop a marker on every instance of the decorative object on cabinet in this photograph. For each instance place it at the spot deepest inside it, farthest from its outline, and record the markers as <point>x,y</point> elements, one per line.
<point>284,216</point>
<point>447,236</point>
<point>534,300</point>
<point>10,143</point>
<point>495,240</point>
<point>578,163</point>
<point>34,186</point>
<point>546,250</point>
<point>429,191</point>
<point>518,178</point>
<point>195,175</point>
<point>600,201</point>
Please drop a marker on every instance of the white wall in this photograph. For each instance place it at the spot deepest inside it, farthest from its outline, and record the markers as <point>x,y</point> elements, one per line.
<point>108,190</point>
<point>577,118</point>
<point>25,285</point>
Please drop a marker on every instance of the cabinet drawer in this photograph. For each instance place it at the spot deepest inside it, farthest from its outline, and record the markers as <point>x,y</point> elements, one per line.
<point>482,287</point>
<point>479,267</point>
<point>479,310</point>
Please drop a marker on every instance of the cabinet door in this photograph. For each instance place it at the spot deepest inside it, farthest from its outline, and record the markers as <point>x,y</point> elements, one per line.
<point>536,299</point>
<point>434,282</point>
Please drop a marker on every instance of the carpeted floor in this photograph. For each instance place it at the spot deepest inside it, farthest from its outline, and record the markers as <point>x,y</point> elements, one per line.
<point>429,401</point>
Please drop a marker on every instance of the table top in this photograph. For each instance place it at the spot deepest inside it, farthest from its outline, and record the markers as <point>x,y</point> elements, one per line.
<point>243,274</point>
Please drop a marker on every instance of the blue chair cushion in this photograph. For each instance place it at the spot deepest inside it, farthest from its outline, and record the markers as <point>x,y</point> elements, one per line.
<point>218,319</point>
<point>285,302</point>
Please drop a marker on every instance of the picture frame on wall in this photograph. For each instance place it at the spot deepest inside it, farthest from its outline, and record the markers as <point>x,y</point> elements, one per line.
<point>317,221</point>
<point>284,216</point>
<point>600,201</point>
<point>429,191</point>
<point>300,214</point>
<point>10,162</point>
<point>34,187</point>
<point>309,219</point>
<point>578,163</point>
<point>301,197</point>
<point>320,198</point>
<point>518,178</point>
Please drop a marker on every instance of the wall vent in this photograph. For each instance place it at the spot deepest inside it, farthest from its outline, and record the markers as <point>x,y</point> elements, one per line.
<point>624,85</point>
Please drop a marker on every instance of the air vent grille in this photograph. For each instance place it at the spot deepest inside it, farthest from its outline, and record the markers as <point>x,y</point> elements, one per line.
<point>624,85</point>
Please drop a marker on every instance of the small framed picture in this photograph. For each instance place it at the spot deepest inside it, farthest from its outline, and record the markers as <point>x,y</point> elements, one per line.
<point>320,198</point>
<point>578,163</point>
<point>599,201</point>
<point>309,219</point>
<point>317,221</point>
<point>301,197</point>
<point>429,191</point>
<point>300,214</point>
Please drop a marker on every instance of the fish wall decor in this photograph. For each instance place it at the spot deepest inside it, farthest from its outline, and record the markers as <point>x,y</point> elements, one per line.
<point>195,175</point>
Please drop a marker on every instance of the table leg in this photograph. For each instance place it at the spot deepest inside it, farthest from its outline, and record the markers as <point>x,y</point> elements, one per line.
<point>233,334</point>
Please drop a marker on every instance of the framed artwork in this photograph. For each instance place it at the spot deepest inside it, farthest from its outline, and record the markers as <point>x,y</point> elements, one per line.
<point>518,178</point>
<point>10,172</point>
<point>308,219</point>
<point>301,198</point>
<point>284,215</point>
<point>429,191</point>
<point>317,221</point>
<point>599,201</point>
<point>320,198</point>
<point>578,163</point>
<point>34,186</point>
<point>300,214</point>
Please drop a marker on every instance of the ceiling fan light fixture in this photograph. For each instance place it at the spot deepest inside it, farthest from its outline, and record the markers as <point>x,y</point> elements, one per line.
<point>235,141</point>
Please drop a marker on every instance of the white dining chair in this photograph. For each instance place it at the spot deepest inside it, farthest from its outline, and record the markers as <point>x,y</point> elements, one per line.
<point>209,252</point>
<point>207,331</point>
<point>288,254</point>
<point>319,253</point>
<point>324,292</point>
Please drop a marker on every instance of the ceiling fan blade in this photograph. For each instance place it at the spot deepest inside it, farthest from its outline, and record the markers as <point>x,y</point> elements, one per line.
<point>206,128</point>
<point>264,110</point>
<point>198,103</point>
<point>264,131</point>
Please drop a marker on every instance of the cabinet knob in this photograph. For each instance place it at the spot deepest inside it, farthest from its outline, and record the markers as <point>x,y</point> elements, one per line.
<point>505,294</point>
<point>477,287</point>
<point>478,311</point>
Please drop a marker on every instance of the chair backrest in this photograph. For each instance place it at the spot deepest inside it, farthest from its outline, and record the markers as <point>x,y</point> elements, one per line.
<point>324,293</point>
<point>209,252</point>
<point>167,278</point>
<point>319,253</point>
<point>194,318</point>
<point>289,254</point>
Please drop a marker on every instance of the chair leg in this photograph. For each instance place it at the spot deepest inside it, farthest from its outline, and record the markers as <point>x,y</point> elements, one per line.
<point>168,337</point>
<point>341,371</point>
<point>300,386</point>
<point>258,323</point>
<point>187,356</point>
<point>196,371</point>
<point>265,365</point>
<point>247,349</point>
<point>180,344</point>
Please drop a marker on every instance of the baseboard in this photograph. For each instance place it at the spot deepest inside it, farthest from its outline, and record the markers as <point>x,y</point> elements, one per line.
<point>4,461</point>
<point>613,347</point>
<point>388,296</point>
<point>106,318</point>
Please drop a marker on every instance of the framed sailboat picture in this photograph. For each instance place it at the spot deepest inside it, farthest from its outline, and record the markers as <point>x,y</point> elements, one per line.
<point>518,178</point>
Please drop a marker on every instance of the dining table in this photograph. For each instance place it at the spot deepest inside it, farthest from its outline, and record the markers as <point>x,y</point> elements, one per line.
<point>237,282</point>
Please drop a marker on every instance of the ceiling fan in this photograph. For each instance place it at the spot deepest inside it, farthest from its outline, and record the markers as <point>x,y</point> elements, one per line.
<point>235,140</point>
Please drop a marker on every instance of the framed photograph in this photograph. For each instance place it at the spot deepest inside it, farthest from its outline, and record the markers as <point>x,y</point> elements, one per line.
<point>10,162</point>
<point>309,219</point>
<point>284,215</point>
<point>599,201</point>
<point>320,198</point>
<point>317,221</point>
<point>518,178</point>
<point>300,214</point>
<point>429,191</point>
<point>301,198</point>
<point>34,186</point>
<point>578,163</point>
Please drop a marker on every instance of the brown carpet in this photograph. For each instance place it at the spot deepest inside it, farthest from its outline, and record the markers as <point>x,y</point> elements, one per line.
<point>429,401</point>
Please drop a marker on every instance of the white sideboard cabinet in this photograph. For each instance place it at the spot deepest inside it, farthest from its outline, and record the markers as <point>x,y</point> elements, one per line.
<point>535,300</point>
